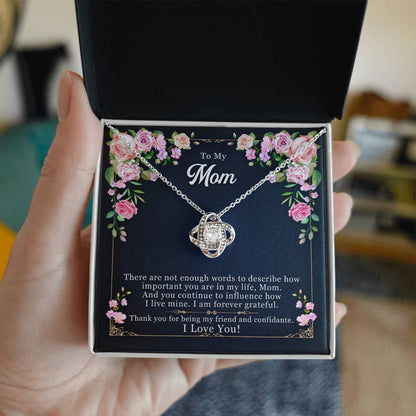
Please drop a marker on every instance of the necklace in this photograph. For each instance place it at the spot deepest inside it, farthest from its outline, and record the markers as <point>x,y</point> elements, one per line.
<point>212,235</point>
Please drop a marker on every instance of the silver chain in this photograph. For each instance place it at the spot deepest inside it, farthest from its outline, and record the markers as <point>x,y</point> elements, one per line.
<point>242,196</point>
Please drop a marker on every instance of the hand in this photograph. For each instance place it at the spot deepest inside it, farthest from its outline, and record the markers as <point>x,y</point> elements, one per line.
<point>46,368</point>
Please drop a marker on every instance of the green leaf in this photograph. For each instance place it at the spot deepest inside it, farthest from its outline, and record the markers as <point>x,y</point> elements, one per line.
<point>138,191</point>
<point>146,175</point>
<point>269,134</point>
<point>109,175</point>
<point>304,221</point>
<point>135,183</point>
<point>316,178</point>
<point>120,218</point>
<point>171,141</point>
<point>114,232</point>
<point>141,199</point>
<point>234,136</point>
<point>287,193</point>
<point>303,230</point>
<point>294,135</point>
<point>164,162</point>
<point>280,177</point>
<point>315,217</point>
<point>157,132</point>
<point>110,225</point>
<point>256,142</point>
<point>287,199</point>
<point>310,235</point>
<point>314,228</point>
<point>110,214</point>
<point>174,134</point>
<point>132,132</point>
<point>108,143</point>
<point>312,133</point>
<point>290,185</point>
<point>252,135</point>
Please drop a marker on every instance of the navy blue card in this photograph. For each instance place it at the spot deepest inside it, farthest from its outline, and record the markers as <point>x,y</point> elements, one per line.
<point>155,291</point>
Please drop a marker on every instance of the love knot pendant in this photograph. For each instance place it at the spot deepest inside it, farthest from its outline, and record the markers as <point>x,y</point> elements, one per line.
<point>210,235</point>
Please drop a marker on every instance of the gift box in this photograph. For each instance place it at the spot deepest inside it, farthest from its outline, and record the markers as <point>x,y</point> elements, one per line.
<point>212,230</point>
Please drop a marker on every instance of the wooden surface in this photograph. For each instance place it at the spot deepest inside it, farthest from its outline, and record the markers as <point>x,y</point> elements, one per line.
<point>378,357</point>
<point>376,244</point>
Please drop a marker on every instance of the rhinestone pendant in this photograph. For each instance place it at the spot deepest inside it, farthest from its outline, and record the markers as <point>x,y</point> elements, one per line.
<point>210,235</point>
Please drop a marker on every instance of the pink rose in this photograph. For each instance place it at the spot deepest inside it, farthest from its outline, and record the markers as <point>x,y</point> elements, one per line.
<point>251,154</point>
<point>309,306</point>
<point>162,155</point>
<point>267,145</point>
<point>264,156</point>
<point>110,314</point>
<point>312,316</point>
<point>176,153</point>
<point>126,209</point>
<point>160,142</point>
<point>282,142</point>
<point>144,141</point>
<point>244,142</point>
<point>123,302</point>
<point>113,303</point>
<point>182,141</point>
<point>119,317</point>
<point>307,187</point>
<point>128,171</point>
<point>300,211</point>
<point>119,184</point>
<point>303,320</point>
<point>297,174</point>
<point>307,154</point>
<point>122,147</point>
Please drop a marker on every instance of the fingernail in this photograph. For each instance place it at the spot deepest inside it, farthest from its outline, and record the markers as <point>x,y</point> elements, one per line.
<point>64,95</point>
<point>342,310</point>
<point>356,149</point>
<point>348,199</point>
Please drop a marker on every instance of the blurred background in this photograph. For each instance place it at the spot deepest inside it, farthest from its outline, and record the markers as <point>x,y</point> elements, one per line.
<point>376,252</point>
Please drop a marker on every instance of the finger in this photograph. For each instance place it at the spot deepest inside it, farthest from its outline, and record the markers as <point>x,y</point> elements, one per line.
<point>342,210</point>
<point>344,157</point>
<point>86,235</point>
<point>59,202</point>
<point>340,312</point>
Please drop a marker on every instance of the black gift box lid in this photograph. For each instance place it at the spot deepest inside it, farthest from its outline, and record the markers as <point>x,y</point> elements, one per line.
<point>269,61</point>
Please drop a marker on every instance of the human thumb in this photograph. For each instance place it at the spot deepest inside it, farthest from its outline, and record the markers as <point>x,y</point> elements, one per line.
<point>61,196</point>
